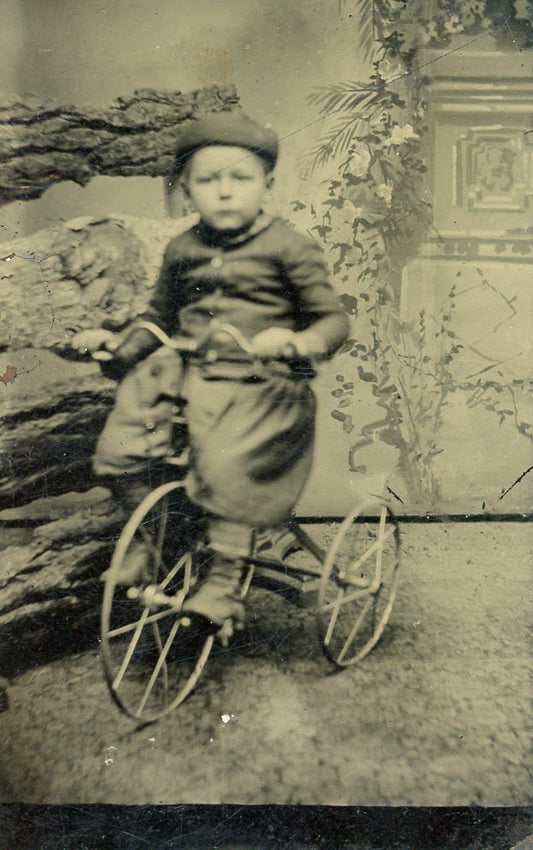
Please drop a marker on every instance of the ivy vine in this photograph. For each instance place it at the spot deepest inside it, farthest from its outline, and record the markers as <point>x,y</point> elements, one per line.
<point>375,212</point>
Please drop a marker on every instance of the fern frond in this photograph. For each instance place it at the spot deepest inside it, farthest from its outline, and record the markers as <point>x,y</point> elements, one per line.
<point>365,15</point>
<point>366,27</point>
<point>339,139</point>
<point>342,97</point>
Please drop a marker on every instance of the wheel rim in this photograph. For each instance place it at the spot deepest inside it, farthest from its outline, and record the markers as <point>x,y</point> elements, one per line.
<point>358,584</point>
<point>152,661</point>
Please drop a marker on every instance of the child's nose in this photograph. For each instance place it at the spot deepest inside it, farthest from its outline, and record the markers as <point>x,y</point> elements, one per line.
<point>224,186</point>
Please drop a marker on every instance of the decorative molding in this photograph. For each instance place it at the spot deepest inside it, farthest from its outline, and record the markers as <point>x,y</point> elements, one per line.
<point>479,59</point>
<point>493,170</point>
<point>507,248</point>
<point>481,136</point>
<point>483,95</point>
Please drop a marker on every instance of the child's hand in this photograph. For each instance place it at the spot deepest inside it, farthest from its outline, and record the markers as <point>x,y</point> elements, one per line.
<point>275,342</point>
<point>95,341</point>
<point>281,342</point>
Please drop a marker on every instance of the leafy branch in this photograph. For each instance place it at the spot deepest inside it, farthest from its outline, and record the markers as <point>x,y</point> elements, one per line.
<point>375,211</point>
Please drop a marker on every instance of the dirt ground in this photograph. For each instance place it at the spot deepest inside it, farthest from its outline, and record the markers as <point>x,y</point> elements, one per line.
<point>437,715</point>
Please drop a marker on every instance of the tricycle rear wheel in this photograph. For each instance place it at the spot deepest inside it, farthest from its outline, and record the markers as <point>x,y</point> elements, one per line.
<point>152,660</point>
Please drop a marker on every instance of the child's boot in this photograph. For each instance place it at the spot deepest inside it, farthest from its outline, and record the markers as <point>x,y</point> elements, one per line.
<point>217,598</point>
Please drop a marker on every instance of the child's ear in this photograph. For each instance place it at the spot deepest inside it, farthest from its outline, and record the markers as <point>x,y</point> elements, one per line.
<point>269,182</point>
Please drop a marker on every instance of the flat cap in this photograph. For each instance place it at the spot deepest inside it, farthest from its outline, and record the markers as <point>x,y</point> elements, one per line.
<point>227,128</point>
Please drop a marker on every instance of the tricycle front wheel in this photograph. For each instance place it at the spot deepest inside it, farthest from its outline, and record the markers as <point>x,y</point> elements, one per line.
<point>358,584</point>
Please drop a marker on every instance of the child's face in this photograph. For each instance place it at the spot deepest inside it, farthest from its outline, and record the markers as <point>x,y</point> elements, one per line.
<point>227,186</point>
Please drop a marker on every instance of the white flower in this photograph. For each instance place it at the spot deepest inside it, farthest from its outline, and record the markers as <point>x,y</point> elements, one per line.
<point>400,135</point>
<point>428,33</point>
<point>469,18</point>
<point>475,8</point>
<point>359,162</point>
<point>352,211</point>
<point>397,6</point>
<point>385,192</point>
<point>454,25</point>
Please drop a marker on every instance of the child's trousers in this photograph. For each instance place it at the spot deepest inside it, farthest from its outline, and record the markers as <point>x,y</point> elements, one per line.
<point>251,441</point>
<point>251,446</point>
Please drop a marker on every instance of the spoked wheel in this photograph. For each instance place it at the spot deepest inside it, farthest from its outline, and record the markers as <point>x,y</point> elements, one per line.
<point>152,660</point>
<point>358,584</point>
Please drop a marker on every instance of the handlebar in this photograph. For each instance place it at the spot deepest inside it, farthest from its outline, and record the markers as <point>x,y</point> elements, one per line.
<point>185,345</point>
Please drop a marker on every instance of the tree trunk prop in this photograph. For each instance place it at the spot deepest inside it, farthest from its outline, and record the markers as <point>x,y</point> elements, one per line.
<point>86,274</point>
<point>45,144</point>
<point>50,590</point>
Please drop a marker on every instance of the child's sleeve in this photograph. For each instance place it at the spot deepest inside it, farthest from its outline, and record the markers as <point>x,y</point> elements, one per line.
<point>318,309</point>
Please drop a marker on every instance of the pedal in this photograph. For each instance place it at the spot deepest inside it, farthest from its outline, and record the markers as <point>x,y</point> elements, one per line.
<point>151,597</point>
<point>277,545</point>
<point>353,579</point>
<point>225,633</point>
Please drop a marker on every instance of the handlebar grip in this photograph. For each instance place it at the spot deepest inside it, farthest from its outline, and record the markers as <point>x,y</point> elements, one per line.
<point>74,355</point>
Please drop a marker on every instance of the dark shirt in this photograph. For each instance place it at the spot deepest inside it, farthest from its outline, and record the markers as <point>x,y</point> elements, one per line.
<point>268,276</point>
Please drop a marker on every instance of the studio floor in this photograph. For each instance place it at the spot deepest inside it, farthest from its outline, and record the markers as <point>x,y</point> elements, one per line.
<point>437,715</point>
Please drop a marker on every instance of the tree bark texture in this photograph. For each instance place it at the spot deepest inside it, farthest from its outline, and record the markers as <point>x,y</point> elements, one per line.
<point>44,144</point>
<point>50,587</point>
<point>47,450</point>
<point>86,273</point>
<point>80,275</point>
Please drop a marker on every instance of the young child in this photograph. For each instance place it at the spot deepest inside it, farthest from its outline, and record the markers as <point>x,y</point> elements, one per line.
<point>250,432</point>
